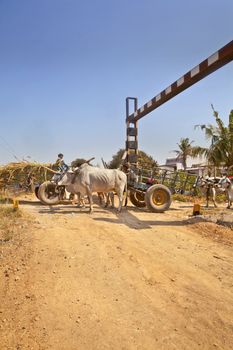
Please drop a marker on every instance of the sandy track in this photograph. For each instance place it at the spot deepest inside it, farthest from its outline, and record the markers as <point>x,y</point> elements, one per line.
<point>136,280</point>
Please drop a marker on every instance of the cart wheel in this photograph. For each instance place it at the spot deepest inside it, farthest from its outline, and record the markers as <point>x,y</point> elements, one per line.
<point>138,199</point>
<point>158,198</point>
<point>36,190</point>
<point>48,194</point>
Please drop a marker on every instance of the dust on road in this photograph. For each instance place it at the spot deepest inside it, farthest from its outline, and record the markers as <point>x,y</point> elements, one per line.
<point>136,280</point>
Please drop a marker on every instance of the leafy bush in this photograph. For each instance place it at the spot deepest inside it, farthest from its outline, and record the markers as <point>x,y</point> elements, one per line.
<point>182,198</point>
<point>221,198</point>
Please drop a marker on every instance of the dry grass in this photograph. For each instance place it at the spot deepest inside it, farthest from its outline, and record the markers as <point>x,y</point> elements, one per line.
<point>220,198</point>
<point>18,173</point>
<point>183,198</point>
<point>10,221</point>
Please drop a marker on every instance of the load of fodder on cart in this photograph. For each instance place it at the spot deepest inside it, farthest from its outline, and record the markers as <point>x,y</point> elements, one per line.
<point>22,176</point>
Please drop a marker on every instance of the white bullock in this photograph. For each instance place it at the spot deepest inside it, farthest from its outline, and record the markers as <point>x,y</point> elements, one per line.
<point>227,185</point>
<point>208,187</point>
<point>88,179</point>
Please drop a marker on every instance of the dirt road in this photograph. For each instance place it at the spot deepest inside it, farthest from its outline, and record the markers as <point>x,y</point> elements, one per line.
<point>136,280</point>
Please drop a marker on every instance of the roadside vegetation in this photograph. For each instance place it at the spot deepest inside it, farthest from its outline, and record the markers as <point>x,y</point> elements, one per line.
<point>185,150</point>
<point>219,152</point>
<point>220,198</point>
<point>11,221</point>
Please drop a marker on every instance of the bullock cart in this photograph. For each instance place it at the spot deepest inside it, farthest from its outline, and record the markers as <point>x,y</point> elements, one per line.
<point>157,198</point>
<point>49,192</point>
<point>154,191</point>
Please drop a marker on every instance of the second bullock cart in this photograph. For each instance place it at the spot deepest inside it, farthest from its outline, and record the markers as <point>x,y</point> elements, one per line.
<point>155,190</point>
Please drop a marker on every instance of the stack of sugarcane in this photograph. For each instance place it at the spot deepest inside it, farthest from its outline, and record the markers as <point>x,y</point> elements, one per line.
<point>23,174</point>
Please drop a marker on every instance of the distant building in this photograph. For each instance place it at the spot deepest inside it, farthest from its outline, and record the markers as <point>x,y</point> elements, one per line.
<point>176,163</point>
<point>198,168</point>
<point>172,164</point>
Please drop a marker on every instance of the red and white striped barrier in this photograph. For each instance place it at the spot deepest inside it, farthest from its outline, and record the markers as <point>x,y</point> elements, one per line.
<point>206,67</point>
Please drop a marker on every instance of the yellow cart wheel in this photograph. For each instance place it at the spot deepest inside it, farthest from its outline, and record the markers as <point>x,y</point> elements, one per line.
<point>158,198</point>
<point>137,199</point>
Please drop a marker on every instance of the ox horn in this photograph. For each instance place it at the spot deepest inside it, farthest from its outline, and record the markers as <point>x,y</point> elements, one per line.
<point>76,170</point>
<point>89,160</point>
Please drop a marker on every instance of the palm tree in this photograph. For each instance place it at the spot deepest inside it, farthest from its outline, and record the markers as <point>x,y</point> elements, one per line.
<point>220,151</point>
<point>230,126</point>
<point>185,151</point>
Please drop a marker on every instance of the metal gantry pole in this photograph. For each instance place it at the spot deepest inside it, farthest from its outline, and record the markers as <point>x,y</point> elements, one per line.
<point>131,134</point>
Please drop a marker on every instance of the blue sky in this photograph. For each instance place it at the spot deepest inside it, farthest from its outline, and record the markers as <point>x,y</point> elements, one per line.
<point>67,66</point>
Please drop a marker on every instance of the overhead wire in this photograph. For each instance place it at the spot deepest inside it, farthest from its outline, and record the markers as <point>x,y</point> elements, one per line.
<point>8,148</point>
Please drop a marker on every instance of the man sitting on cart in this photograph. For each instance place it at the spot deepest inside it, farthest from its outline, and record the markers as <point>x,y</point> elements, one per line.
<point>60,164</point>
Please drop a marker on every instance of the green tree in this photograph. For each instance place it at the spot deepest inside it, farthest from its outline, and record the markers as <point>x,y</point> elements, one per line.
<point>220,150</point>
<point>230,126</point>
<point>116,159</point>
<point>145,161</point>
<point>184,151</point>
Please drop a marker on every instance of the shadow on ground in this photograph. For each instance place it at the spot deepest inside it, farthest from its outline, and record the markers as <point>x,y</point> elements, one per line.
<point>127,217</point>
<point>133,222</point>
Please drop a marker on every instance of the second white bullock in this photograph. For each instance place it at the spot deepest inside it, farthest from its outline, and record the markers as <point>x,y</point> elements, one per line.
<point>208,187</point>
<point>88,179</point>
<point>227,185</point>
